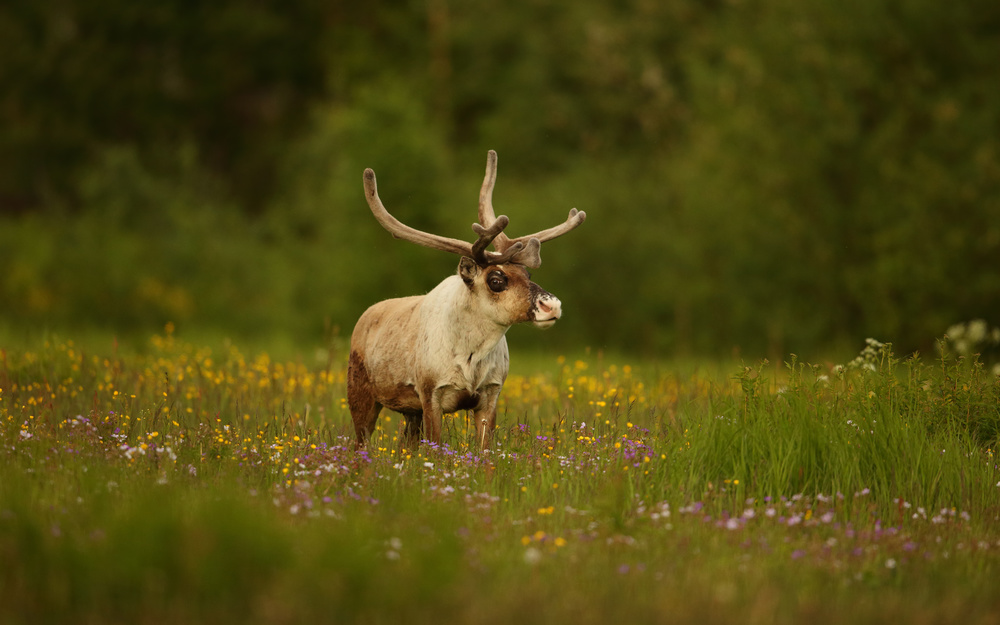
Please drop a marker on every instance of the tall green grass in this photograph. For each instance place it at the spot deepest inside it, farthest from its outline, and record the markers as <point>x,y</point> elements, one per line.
<point>170,482</point>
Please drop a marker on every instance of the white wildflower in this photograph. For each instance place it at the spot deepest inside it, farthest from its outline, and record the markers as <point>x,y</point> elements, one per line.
<point>532,556</point>
<point>977,331</point>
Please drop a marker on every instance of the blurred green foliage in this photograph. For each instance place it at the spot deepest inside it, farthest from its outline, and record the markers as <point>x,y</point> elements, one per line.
<point>767,175</point>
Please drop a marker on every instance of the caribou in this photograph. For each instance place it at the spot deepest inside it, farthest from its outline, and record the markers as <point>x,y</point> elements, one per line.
<point>425,356</point>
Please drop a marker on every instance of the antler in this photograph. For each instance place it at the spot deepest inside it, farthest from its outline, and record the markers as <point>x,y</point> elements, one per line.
<point>486,214</point>
<point>530,256</point>
<point>575,219</point>
<point>476,251</point>
<point>522,250</point>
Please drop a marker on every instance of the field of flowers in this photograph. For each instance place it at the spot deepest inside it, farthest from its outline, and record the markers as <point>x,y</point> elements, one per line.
<point>170,482</point>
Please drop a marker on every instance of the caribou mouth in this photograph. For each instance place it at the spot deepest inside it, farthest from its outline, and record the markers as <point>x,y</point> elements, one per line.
<point>547,310</point>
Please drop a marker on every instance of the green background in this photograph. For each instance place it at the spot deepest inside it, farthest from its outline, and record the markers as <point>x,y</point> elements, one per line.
<point>760,176</point>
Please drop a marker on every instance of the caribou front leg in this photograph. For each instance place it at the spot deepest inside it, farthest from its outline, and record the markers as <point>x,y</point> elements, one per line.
<point>486,416</point>
<point>430,399</point>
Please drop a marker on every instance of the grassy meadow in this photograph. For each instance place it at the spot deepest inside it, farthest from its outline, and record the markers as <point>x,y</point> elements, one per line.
<point>169,482</point>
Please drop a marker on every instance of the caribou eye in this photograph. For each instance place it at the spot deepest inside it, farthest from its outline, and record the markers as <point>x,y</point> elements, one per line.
<point>497,281</point>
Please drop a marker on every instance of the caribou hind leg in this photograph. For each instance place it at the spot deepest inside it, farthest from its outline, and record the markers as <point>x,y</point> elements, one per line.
<point>361,400</point>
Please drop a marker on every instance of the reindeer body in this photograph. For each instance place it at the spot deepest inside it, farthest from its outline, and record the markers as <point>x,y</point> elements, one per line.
<point>424,356</point>
<point>417,356</point>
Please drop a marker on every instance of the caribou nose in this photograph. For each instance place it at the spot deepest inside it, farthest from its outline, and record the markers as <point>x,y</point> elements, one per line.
<point>549,309</point>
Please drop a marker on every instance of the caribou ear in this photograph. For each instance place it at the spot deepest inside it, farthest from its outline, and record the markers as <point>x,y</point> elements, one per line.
<point>468,270</point>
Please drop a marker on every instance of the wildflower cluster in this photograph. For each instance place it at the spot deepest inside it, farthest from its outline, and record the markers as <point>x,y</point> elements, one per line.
<point>875,354</point>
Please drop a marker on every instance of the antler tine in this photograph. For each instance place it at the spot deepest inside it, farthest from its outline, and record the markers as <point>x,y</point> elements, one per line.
<point>575,219</point>
<point>400,230</point>
<point>486,214</point>
<point>489,235</point>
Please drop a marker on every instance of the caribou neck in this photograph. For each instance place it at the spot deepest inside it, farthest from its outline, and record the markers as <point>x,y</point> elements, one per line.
<point>470,333</point>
